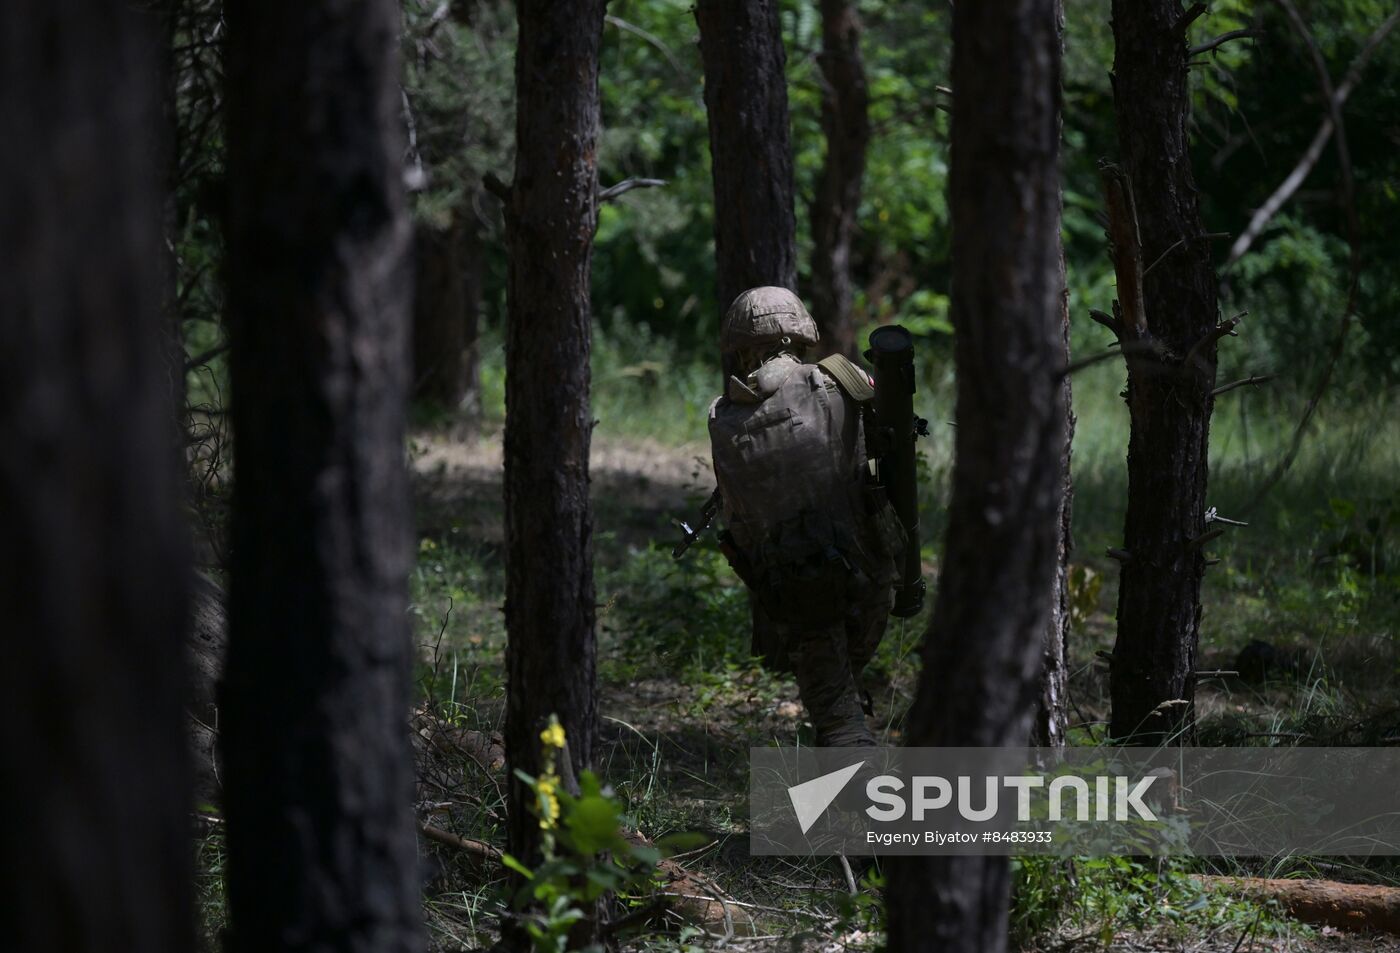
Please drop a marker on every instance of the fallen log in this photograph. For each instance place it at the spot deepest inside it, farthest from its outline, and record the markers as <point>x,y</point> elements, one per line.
<point>1346,906</point>
<point>481,852</point>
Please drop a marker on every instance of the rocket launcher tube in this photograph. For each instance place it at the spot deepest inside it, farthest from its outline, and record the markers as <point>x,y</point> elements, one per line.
<point>891,354</point>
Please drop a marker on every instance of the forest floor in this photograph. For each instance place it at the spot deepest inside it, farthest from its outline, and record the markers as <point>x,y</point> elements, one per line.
<point>682,701</point>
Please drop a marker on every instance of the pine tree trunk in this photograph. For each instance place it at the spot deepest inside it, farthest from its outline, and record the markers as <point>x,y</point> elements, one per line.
<point>982,653</point>
<point>1169,398</point>
<point>93,557</point>
<point>846,125</point>
<point>319,784</point>
<point>551,215</point>
<point>741,44</point>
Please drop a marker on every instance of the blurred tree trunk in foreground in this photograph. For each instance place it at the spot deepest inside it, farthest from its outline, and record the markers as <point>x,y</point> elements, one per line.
<point>93,563</point>
<point>551,215</point>
<point>446,306</point>
<point>1169,336</point>
<point>741,43</point>
<point>846,125</point>
<point>315,700</point>
<point>982,652</point>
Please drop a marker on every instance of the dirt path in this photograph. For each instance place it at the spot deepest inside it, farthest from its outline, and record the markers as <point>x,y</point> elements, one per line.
<point>637,484</point>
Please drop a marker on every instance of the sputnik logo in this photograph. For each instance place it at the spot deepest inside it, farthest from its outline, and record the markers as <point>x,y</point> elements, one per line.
<point>811,798</point>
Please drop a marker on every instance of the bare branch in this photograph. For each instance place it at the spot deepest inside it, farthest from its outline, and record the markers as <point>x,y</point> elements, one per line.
<point>1107,320</point>
<point>1177,244</point>
<point>1129,349</point>
<point>1192,14</point>
<point>651,38</point>
<point>1247,382</point>
<point>1265,213</point>
<point>1221,40</point>
<point>627,185</point>
<point>1213,516</point>
<point>206,357</point>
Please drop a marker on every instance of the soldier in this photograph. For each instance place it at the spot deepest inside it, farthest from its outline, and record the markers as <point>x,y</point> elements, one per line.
<point>807,527</point>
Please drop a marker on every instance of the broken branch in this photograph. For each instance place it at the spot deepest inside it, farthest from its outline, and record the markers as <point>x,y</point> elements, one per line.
<point>1198,541</point>
<point>1212,516</point>
<point>1107,320</point>
<point>1223,329</point>
<point>1125,246</point>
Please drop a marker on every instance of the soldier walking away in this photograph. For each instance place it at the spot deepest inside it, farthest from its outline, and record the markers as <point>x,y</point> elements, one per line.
<point>809,526</point>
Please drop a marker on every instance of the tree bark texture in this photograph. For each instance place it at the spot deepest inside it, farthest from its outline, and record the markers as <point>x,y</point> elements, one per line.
<point>846,125</point>
<point>983,649</point>
<point>1169,382</point>
<point>550,220</point>
<point>741,44</point>
<point>93,556</point>
<point>446,305</point>
<point>315,701</point>
<point>1052,719</point>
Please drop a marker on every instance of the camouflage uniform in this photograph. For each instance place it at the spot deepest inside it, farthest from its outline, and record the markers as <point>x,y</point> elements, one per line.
<point>803,524</point>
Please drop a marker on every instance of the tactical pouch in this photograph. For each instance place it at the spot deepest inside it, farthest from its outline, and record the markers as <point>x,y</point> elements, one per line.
<point>805,578</point>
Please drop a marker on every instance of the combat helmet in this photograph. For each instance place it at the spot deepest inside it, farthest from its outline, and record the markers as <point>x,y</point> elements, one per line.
<point>764,316</point>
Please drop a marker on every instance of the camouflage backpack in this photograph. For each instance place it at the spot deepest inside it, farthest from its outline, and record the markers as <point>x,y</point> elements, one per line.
<point>802,525</point>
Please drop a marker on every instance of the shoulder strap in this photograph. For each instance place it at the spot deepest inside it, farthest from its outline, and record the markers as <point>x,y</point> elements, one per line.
<point>849,376</point>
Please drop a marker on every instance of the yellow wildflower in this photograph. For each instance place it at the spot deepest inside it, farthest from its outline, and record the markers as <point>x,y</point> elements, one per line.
<point>548,800</point>
<point>553,736</point>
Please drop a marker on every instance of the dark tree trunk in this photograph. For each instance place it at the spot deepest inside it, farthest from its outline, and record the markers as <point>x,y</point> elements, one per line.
<point>1169,386</point>
<point>741,43</point>
<point>167,13</point>
<point>1052,720</point>
<point>445,308</point>
<point>551,215</point>
<point>982,652</point>
<point>316,692</point>
<point>846,126</point>
<point>93,561</point>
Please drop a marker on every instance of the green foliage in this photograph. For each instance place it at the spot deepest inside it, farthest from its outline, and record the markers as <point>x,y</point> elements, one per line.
<point>1096,899</point>
<point>585,857</point>
<point>674,616</point>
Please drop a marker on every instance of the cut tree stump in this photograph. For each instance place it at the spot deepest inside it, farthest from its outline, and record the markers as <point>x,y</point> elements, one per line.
<point>1347,906</point>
